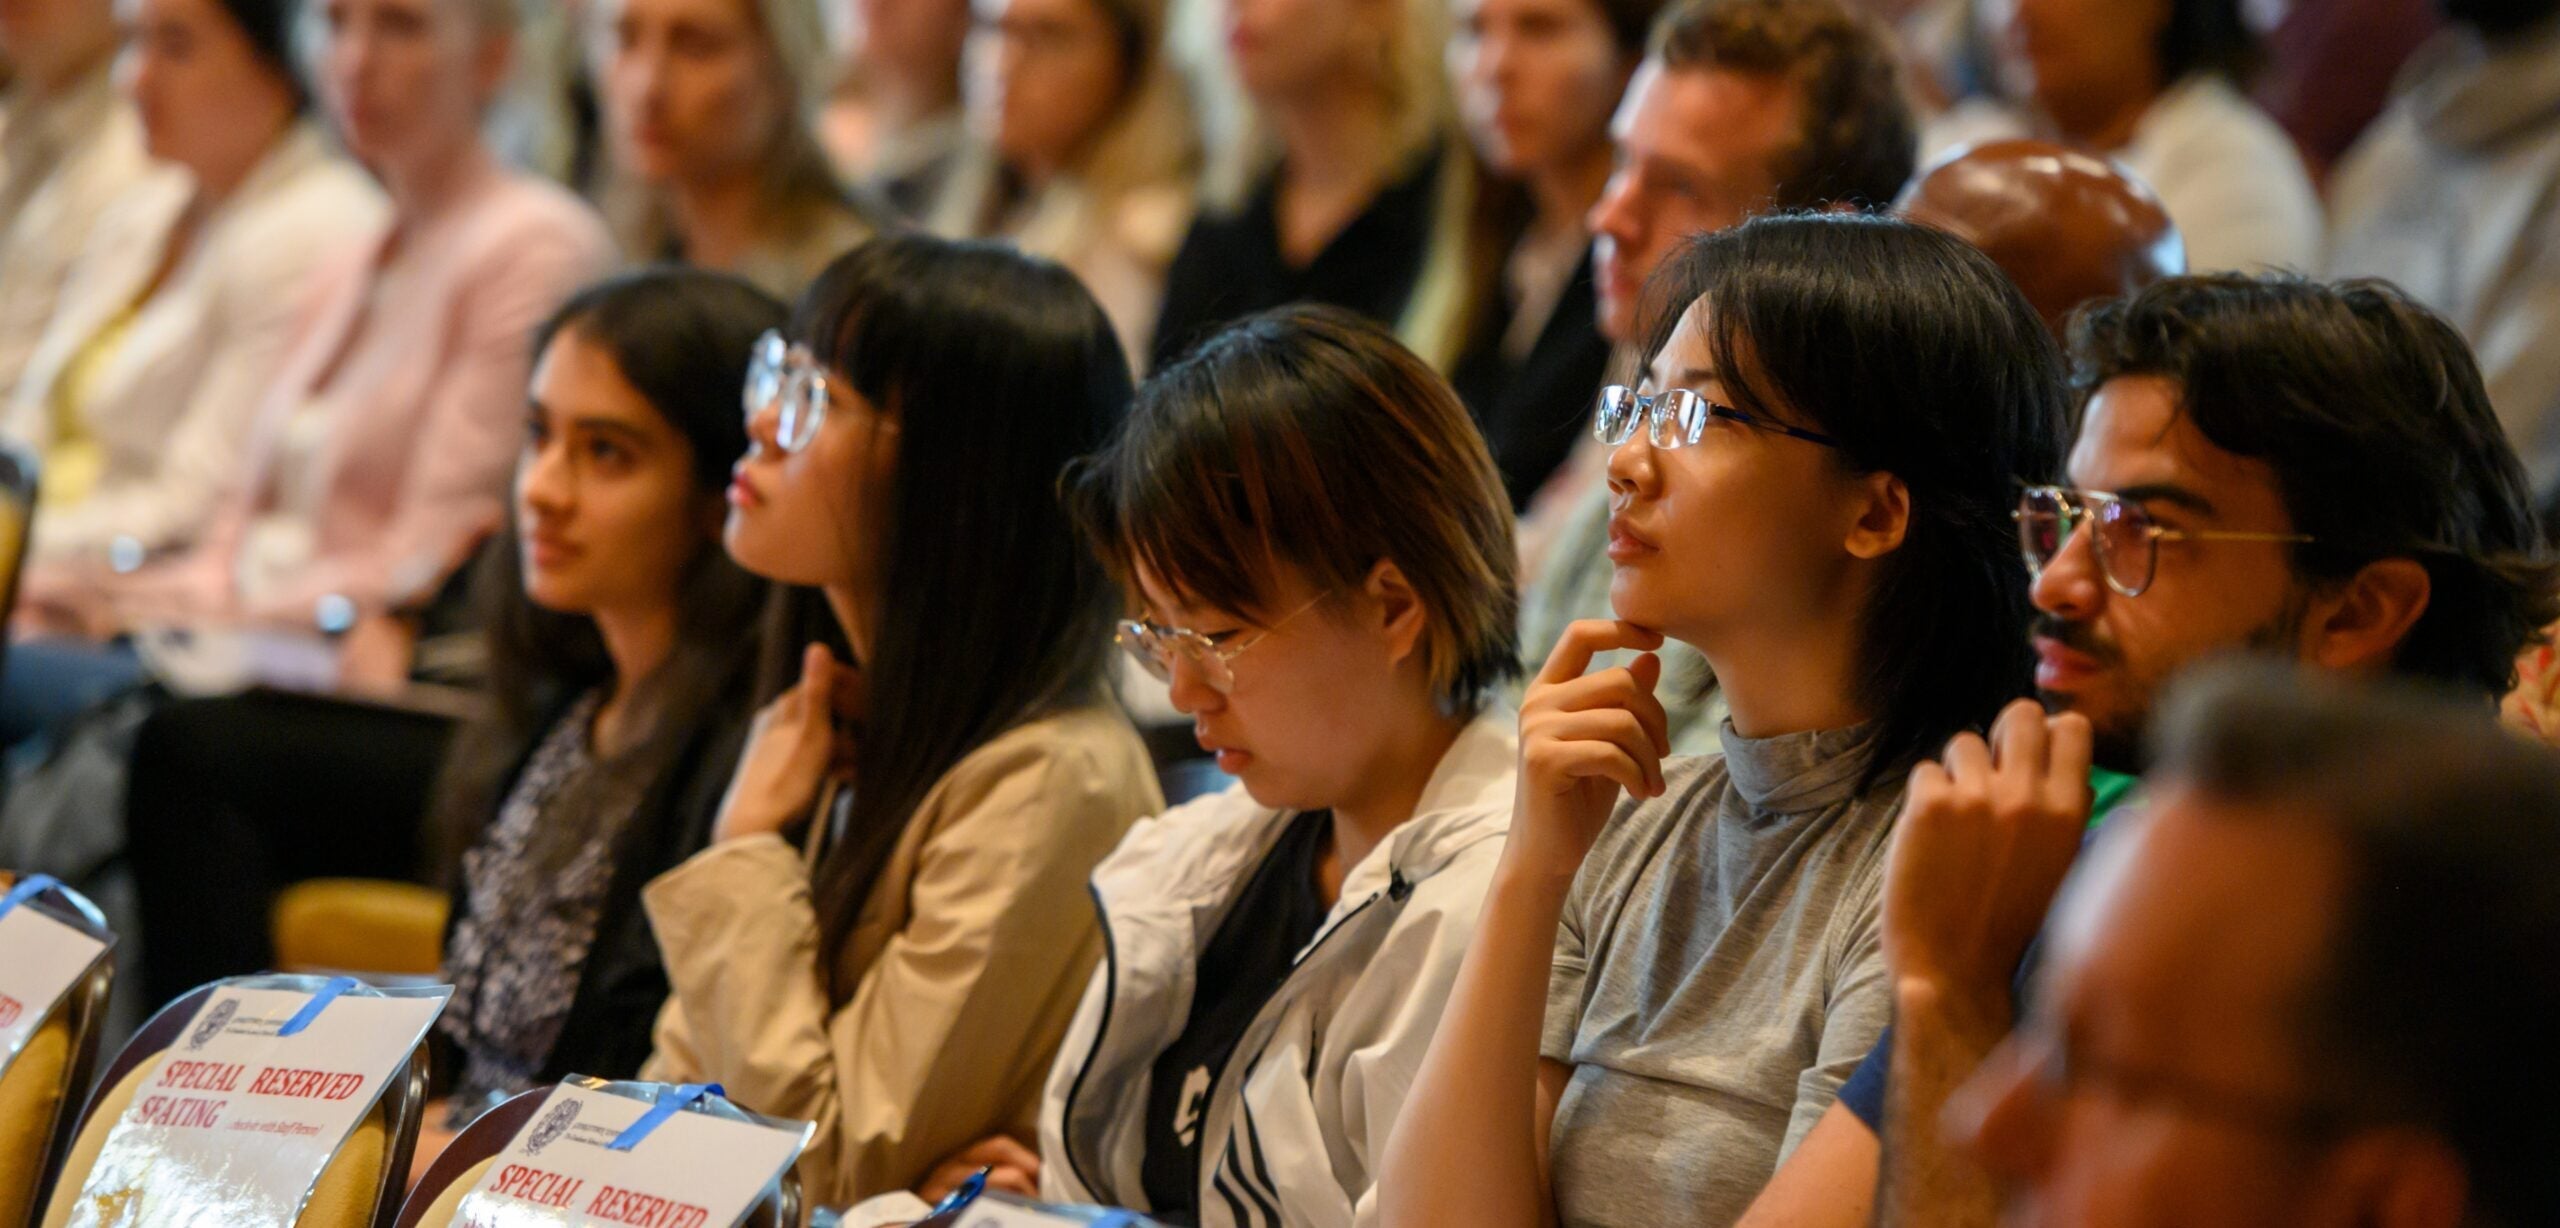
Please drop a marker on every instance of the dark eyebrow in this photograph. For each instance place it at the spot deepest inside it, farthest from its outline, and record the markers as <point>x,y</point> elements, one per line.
<point>2170,493</point>
<point>1685,376</point>
<point>611,426</point>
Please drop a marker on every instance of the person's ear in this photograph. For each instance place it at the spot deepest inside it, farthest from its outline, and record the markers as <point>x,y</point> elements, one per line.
<point>2360,625</point>
<point>1402,618</point>
<point>1884,517</point>
<point>2396,1178</point>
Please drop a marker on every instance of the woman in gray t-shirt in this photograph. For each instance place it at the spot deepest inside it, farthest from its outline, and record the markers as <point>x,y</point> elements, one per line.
<point>1666,991</point>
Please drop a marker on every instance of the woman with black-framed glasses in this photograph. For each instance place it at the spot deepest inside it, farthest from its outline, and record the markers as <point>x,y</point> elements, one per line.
<point>889,931</point>
<point>1814,492</point>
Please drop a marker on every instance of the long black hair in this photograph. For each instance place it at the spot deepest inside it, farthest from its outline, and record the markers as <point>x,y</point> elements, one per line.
<point>999,369</point>
<point>681,337</point>
<point>1923,360</point>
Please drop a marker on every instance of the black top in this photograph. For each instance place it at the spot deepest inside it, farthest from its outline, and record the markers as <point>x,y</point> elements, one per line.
<point>1246,962</point>
<point>1534,412</point>
<point>1231,266</point>
<point>623,982</point>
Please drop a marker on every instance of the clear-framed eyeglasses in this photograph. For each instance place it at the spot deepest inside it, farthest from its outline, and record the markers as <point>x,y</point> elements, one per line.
<point>2125,540</point>
<point>787,378</point>
<point>1156,647</point>
<point>1678,417</point>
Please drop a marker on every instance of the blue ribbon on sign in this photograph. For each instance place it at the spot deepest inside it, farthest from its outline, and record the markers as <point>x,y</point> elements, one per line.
<point>319,1002</point>
<point>671,1101</point>
<point>27,889</point>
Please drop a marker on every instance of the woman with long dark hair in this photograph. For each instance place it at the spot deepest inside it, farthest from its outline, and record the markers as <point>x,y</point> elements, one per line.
<point>1813,490</point>
<point>619,691</point>
<point>620,685</point>
<point>891,928</point>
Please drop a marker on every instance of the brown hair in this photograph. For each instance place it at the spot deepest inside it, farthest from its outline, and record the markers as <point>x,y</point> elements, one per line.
<point>1308,437</point>
<point>1859,141</point>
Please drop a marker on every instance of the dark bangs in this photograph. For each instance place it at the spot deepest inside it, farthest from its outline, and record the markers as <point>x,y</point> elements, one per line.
<point>998,369</point>
<point>1311,439</point>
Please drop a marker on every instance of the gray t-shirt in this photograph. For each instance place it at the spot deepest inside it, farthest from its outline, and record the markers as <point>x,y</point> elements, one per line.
<point>1719,973</point>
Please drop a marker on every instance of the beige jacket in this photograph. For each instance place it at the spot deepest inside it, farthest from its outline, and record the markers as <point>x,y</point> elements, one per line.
<point>968,961</point>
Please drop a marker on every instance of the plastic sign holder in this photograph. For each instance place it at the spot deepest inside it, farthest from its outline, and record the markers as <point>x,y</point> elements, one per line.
<point>235,1121</point>
<point>599,1154</point>
<point>45,955</point>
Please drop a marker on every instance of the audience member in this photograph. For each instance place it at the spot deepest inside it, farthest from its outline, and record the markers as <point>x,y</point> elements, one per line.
<point>2264,463</point>
<point>1743,106</point>
<point>186,303</point>
<point>1334,624</point>
<point>376,462</point>
<point>618,702</point>
<point>1082,149</point>
<point>906,986</point>
<point>704,104</point>
<point>893,120</point>
<point>622,684</point>
<point>2156,86</point>
<point>73,146</point>
<point>2271,991</point>
<point>380,456</point>
<point>1830,530</point>
<point>1537,81</point>
<point>188,298</point>
<point>2451,195</point>
<point>2068,227</point>
<point>1349,187</point>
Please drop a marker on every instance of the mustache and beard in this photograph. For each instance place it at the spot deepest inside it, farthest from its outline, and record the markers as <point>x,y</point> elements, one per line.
<point>2119,742</point>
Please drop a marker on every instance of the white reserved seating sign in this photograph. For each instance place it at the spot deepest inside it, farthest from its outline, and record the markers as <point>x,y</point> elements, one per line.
<point>41,960</point>
<point>691,1170</point>
<point>235,1121</point>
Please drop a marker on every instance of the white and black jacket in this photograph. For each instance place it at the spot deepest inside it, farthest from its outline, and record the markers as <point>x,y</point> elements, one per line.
<point>1294,1129</point>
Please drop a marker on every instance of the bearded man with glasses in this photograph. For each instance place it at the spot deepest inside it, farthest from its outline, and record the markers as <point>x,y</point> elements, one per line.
<point>2268,463</point>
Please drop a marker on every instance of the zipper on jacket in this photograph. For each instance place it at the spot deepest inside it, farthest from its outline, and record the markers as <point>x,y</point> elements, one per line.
<point>1101,1032</point>
<point>1231,1088</point>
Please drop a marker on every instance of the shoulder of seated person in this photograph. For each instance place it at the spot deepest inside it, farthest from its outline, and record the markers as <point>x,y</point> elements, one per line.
<point>1094,740</point>
<point>525,213</point>
<point>323,213</point>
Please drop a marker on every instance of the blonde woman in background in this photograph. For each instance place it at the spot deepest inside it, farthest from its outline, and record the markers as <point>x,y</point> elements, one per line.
<point>706,105</point>
<point>1348,185</point>
<point>376,456</point>
<point>174,321</point>
<point>1083,148</point>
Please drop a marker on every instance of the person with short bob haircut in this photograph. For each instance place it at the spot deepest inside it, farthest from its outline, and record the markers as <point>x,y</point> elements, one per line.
<point>1321,548</point>
<point>1813,490</point>
<point>896,959</point>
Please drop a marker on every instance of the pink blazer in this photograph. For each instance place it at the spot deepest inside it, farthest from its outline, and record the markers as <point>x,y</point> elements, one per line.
<point>419,358</point>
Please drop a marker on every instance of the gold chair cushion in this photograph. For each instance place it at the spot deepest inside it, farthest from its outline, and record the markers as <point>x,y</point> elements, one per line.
<point>30,1104</point>
<point>360,925</point>
<point>92,1140</point>
<point>350,1188</point>
<point>448,1203</point>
